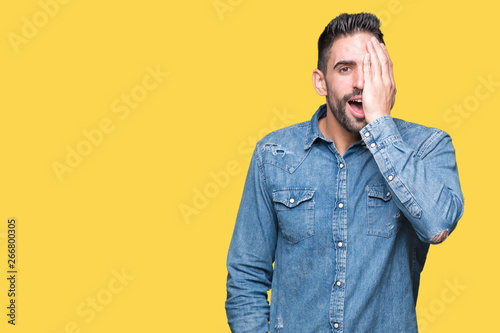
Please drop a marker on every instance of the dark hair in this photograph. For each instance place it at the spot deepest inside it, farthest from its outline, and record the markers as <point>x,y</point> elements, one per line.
<point>342,26</point>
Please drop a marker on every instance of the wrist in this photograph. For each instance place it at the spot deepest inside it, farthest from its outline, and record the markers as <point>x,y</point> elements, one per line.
<point>373,116</point>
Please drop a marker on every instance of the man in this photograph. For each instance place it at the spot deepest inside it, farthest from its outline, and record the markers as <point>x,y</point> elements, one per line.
<point>345,205</point>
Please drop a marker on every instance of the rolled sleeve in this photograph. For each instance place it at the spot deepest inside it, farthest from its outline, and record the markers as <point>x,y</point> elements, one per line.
<point>425,180</point>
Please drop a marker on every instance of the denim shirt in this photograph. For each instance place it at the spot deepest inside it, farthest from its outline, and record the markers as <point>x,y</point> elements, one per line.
<point>348,235</point>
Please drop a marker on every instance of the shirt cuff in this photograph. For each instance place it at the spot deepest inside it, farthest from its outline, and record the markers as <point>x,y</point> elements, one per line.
<point>380,133</point>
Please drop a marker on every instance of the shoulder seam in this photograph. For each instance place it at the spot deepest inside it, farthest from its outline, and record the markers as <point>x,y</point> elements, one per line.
<point>290,127</point>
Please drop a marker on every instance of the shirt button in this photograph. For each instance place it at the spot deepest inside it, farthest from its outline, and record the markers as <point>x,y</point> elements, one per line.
<point>292,200</point>
<point>367,134</point>
<point>338,283</point>
<point>388,194</point>
<point>340,244</point>
<point>341,205</point>
<point>336,325</point>
<point>372,145</point>
<point>341,165</point>
<point>390,177</point>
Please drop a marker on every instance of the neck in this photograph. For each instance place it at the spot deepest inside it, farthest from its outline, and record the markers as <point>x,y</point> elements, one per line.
<point>333,130</point>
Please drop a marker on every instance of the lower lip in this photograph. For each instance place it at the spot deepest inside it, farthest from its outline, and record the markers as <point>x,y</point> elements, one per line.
<point>356,113</point>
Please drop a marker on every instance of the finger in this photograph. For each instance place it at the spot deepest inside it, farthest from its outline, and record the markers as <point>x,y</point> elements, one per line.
<point>374,61</point>
<point>382,57</point>
<point>390,66</point>
<point>391,75</point>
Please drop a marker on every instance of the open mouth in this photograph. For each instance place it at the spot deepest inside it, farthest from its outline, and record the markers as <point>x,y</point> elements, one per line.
<point>356,106</point>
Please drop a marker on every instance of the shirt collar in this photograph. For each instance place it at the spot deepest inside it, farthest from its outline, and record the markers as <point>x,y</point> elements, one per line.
<point>313,131</point>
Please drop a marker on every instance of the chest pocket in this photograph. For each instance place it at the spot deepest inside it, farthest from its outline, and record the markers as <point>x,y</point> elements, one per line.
<point>295,211</point>
<point>383,214</point>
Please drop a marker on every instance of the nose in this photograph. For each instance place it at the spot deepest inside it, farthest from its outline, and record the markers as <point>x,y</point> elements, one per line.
<point>359,80</point>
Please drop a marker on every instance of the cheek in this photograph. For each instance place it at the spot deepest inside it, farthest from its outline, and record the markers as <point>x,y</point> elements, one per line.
<point>339,85</point>
<point>336,92</point>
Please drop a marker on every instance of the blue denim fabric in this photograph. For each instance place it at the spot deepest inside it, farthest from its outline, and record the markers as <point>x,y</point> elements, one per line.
<point>348,235</point>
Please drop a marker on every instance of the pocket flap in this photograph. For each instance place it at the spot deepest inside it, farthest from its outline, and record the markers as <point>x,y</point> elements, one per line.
<point>381,191</point>
<point>292,197</point>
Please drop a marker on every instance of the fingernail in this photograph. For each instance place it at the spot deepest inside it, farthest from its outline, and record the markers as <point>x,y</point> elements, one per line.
<point>383,45</point>
<point>370,43</point>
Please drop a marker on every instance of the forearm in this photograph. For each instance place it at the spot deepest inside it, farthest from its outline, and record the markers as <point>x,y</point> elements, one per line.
<point>424,179</point>
<point>247,307</point>
<point>250,272</point>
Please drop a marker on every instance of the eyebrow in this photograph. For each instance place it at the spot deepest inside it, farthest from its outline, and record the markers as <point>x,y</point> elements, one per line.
<point>344,62</point>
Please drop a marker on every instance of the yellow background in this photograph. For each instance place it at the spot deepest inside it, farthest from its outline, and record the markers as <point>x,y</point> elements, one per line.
<point>230,74</point>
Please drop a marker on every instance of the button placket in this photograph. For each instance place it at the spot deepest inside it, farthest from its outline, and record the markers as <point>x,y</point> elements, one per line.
<point>339,239</point>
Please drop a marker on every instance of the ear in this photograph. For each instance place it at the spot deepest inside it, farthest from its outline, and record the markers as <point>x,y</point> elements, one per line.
<point>319,82</point>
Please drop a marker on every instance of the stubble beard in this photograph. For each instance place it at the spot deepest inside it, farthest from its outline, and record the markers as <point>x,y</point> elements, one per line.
<point>338,106</point>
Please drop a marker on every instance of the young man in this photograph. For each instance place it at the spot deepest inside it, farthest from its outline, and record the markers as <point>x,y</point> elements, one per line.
<point>345,205</point>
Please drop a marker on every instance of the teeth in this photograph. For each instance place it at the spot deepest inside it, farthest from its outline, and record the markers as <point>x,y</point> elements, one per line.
<point>357,100</point>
